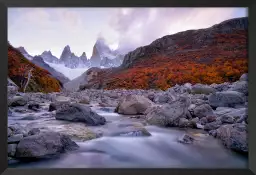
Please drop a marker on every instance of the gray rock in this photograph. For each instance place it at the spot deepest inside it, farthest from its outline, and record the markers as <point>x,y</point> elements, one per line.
<point>221,87</point>
<point>226,99</point>
<point>227,119</point>
<point>202,111</point>
<point>12,149</point>
<point>18,101</point>
<point>240,86</point>
<point>234,137</point>
<point>9,132</point>
<point>15,138</point>
<point>213,133</point>
<point>85,100</point>
<point>202,89</point>
<point>212,125</point>
<point>169,114</point>
<point>133,104</point>
<point>135,132</point>
<point>164,98</point>
<point>33,106</point>
<point>79,113</point>
<point>183,123</point>
<point>211,118</point>
<point>203,120</point>
<point>34,131</point>
<point>244,77</point>
<point>238,115</point>
<point>44,145</point>
<point>186,139</point>
<point>194,121</point>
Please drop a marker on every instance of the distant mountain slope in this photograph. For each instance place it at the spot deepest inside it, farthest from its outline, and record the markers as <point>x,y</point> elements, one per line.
<point>25,53</point>
<point>212,55</point>
<point>41,80</point>
<point>37,60</point>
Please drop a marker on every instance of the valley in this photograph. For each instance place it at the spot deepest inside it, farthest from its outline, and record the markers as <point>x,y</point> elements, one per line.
<point>179,102</point>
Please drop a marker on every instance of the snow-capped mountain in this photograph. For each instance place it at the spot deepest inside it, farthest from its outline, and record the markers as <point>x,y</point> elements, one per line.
<point>103,56</point>
<point>25,53</point>
<point>69,59</point>
<point>47,56</point>
<point>37,60</point>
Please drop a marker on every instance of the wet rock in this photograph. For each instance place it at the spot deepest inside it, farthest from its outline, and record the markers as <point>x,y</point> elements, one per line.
<point>79,113</point>
<point>183,123</point>
<point>199,126</point>
<point>186,139</point>
<point>33,106</point>
<point>234,137</point>
<point>34,131</point>
<point>244,77</point>
<point>18,101</point>
<point>203,110</point>
<point>202,89</point>
<point>164,98</point>
<point>85,100</point>
<point>12,149</point>
<point>211,118</point>
<point>44,145</point>
<point>213,133</point>
<point>240,86</point>
<point>135,132</point>
<point>203,120</point>
<point>221,87</point>
<point>226,99</point>
<point>212,125</point>
<point>133,104</point>
<point>14,138</point>
<point>227,119</point>
<point>194,121</point>
<point>169,114</point>
<point>9,132</point>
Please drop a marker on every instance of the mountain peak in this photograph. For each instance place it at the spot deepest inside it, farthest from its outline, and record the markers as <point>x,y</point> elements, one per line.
<point>22,50</point>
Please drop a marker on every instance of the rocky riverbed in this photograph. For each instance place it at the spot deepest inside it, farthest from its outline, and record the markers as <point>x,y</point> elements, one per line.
<point>195,126</point>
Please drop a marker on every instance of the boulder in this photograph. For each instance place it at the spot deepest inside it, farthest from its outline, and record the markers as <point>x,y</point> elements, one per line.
<point>85,100</point>
<point>226,99</point>
<point>18,101</point>
<point>244,77</point>
<point>12,150</point>
<point>240,86</point>
<point>14,138</point>
<point>133,104</point>
<point>213,133</point>
<point>186,139</point>
<point>202,89</point>
<point>9,132</point>
<point>79,113</point>
<point>33,106</point>
<point>183,123</point>
<point>202,111</point>
<point>227,119</point>
<point>234,137</point>
<point>169,114</point>
<point>44,145</point>
<point>211,118</point>
<point>34,131</point>
<point>212,126</point>
<point>203,120</point>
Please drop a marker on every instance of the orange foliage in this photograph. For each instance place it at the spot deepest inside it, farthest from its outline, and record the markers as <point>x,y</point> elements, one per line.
<point>42,80</point>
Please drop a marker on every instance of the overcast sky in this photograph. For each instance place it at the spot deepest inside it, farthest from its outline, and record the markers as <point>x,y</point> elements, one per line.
<point>40,29</point>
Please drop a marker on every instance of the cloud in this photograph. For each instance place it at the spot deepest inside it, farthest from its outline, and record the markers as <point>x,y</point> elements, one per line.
<point>40,29</point>
<point>141,26</point>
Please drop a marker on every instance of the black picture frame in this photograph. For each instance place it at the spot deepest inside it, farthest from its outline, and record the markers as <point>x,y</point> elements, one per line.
<point>251,4</point>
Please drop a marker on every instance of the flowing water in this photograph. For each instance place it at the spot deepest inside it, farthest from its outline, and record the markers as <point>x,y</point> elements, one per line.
<point>160,150</point>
